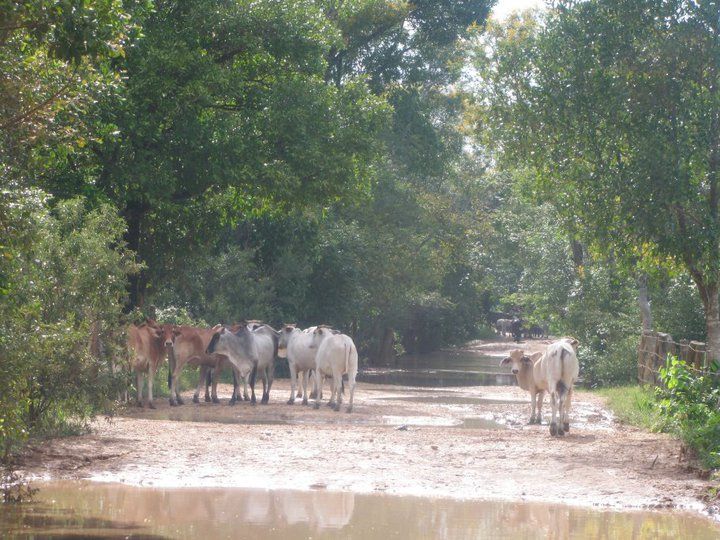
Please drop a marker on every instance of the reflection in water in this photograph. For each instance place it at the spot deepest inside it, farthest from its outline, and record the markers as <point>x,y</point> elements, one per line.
<point>68,510</point>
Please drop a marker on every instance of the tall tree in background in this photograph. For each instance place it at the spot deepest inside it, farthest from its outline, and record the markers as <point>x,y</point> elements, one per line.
<point>616,106</point>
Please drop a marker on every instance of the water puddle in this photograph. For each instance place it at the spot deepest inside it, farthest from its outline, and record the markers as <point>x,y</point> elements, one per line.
<point>453,400</point>
<point>479,422</point>
<point>88,510</point>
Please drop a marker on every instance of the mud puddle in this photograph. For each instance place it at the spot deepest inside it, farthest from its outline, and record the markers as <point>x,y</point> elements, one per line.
<point>82,509</point>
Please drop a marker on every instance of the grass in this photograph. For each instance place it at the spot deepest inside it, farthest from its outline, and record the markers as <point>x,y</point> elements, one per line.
<point>633,404</point>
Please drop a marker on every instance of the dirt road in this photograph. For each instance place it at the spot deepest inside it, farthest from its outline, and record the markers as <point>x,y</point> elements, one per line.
<point>469,443</point>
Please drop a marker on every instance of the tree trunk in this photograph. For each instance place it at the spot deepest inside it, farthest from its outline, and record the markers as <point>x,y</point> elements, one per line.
<point>711,303</point>
<point>386,353</point>
<point>644,302</point>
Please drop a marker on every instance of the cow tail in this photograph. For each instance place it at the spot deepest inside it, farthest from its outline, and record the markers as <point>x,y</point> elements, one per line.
<point>253,375</point>
<point>171,367</point>
<point>347,366</point>
<point>561,387</point>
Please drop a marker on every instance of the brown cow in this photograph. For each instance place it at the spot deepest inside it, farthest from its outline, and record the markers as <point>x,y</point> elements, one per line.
<point>189,347</point>
<point>147,346</point>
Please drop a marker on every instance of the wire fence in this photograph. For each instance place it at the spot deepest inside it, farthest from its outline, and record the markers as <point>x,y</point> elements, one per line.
<point>654,349</point>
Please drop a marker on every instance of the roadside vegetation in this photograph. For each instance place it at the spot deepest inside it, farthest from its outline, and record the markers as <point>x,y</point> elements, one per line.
<point>404,171</point>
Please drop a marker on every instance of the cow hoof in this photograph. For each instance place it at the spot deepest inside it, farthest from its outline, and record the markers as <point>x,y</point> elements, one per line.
<point>336,408</point>
<point>232,402</point>
<point>172,403</point>
<point>299,394</point>
<point>566,427</point>
<point>196,399</point>
<point>560,432</point>
<point>316,406</point>
<point>553,429</point>
<point>304,401</point>
<point>532,420</point>
<point>313,395</point>
<point>208,399</point>
<point>349,409</point>
<point>151,405</point>
<point>139,404</point>
<point>246,398</point>
<point>180,401</point>
<point>291,401</point>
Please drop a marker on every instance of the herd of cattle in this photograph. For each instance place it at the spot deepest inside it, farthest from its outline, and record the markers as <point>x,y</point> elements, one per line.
<point>515,327</point>
<point>250,349</point>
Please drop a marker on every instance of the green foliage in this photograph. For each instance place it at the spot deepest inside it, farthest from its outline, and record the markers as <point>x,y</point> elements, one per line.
<point>614,107</point>
<point>635,405</point>
<point>689,404</point>
<point>66,282</point>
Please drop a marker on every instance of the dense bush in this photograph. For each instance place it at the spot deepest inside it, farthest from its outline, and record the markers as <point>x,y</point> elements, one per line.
<point>66,280</point>
<point>689,403</point>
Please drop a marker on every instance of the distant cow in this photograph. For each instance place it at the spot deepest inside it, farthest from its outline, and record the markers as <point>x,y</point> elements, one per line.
<point>336,356</point>
<point>266,339</point>
<point>504,327</point>
<point>521,365</point>
<point>516,326</point>
<point>147,347</point>
<point>296,345</point>
<point>189,347</point>
<point>241,349</point>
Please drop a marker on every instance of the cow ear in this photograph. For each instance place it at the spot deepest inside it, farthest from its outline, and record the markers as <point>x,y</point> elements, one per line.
<point>176,331</point>
<point>506,361</point>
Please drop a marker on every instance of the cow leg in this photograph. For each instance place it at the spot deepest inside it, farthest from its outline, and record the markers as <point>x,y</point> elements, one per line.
<point>333,394</point>
<point>337,383</point>
<point>202,374</point>
<point>351,382</point>
<point>246,396</point>
<point>540,397</point>
<point>305,383</point>
<point>301,382</point>
<point>150,378</point>
<point>318,389</point>
<point>532,407</point>
<point>553,420</point>
<point>139,380</point>
<point>214,382</point>
<point>210,380</point>
<point>565,411</point>
<point>271,378</point>
<point>293,382</point>
<point>562,394</point>
<point>236,386</point>
<point>311,375</point>
<point>264,398</point>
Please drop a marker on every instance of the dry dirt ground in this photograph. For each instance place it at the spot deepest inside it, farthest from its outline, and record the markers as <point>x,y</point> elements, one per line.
<point>469,443</point>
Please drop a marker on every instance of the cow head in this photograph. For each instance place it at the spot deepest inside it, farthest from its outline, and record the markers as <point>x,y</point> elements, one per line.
<point>285,333</point>
<point>319,334</point>
<point>574,343</point>
<point>517,361</point>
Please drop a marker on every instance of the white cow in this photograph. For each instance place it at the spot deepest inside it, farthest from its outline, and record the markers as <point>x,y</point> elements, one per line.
<point>296,345</point>
<point>336,356</point>
<point>558,369</point>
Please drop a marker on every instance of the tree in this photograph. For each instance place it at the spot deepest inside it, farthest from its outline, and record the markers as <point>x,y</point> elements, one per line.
<point>615,105</point>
